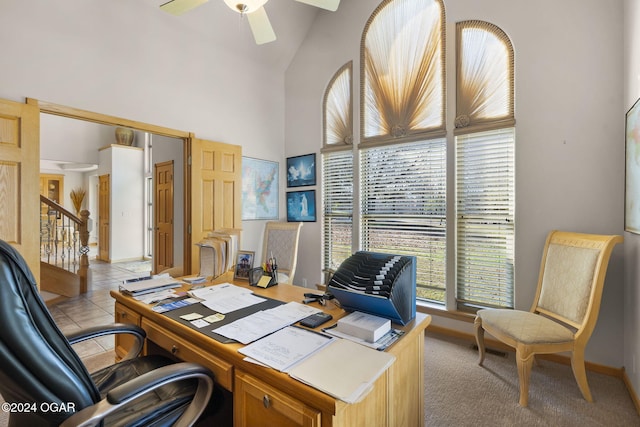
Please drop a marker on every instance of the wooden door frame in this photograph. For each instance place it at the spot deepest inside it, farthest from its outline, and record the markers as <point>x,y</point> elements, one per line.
<point>75,113</point>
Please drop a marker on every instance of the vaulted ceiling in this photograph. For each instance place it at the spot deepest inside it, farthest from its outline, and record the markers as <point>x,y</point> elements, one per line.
<point>225,28</point>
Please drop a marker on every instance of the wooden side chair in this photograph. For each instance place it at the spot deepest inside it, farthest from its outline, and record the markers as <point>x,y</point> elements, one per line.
<point>281,242</point>
<point>565,309</point>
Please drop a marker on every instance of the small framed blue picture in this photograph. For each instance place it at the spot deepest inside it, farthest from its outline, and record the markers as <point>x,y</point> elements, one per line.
<point>301,206</point>
<point>301,170</point>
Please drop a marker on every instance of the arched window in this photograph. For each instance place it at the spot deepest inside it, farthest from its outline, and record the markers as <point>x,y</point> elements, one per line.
<point>485,166</point>
<point>403,166</point>
<point>337,168</point>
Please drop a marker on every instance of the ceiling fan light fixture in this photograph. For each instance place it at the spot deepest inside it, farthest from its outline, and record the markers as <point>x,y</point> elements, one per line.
<point>245,6</point>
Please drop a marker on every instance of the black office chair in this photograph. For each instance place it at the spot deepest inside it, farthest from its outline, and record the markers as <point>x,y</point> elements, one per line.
<point>46,380</point>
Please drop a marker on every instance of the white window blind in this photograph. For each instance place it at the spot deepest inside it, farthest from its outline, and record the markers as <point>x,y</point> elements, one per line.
<point>337,197</point>
<point>485,201</point>
<point>403,207</point>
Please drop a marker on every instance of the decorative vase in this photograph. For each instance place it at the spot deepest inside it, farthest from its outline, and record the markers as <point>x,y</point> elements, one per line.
<point>124,136</point>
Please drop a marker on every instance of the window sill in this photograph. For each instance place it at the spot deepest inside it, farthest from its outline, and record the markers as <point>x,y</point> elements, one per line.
<point>438,310</point>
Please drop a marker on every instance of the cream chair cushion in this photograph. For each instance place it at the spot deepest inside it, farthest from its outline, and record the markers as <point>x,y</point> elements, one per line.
<point>525,327</point>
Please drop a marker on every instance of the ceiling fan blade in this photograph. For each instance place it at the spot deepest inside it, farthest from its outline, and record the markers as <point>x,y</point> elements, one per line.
<point>331,5</point>
<point>260,26</point>
<point>178,7</point>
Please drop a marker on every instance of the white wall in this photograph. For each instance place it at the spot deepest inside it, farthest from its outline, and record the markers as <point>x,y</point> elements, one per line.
<point>124,165</point>
<point>570,137</point>
<point>200,72</point>
<point>632,241</point>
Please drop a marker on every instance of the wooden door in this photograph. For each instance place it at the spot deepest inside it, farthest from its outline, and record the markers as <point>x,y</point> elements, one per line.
<point>19,180</point>
<point>163,217</point>
<point>104,217</point>
<point>216,185</point>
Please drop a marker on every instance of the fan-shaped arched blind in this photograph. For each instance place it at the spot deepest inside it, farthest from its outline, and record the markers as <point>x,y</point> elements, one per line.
<point>484,98</point>
<point>337,109</point>
<point>402,66</point>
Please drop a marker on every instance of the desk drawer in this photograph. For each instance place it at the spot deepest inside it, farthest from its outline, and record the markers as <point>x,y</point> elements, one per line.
<point>256,403</point>
<point>183,350</point>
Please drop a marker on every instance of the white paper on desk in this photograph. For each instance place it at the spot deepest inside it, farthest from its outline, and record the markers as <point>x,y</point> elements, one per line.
<point>231,303</point>
<point>262,323</point>
<point>284,348</point>
<point>226,297</point>
<point>218,291</point>
<point>343,369</point>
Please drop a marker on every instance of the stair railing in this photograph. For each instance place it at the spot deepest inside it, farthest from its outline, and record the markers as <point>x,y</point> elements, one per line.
<point>64,239</point>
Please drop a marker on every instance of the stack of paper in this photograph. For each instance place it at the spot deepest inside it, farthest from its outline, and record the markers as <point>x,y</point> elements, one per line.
<point>343,369</point>
<point>218,252</point>
<point>145,285</point>
<point>364,326</point>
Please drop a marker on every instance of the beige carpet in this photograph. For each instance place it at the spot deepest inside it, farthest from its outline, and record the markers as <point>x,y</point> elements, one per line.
<point>459,392</point>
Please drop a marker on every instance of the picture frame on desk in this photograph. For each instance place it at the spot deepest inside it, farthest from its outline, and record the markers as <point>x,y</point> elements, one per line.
<point>244,263</point>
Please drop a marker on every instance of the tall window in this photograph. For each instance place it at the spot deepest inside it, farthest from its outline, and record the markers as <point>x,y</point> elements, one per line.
<point>337,169</point>
<point>485,167</point>
<point>403,149</point>
<point>402,152</point>
<point>403,207</point>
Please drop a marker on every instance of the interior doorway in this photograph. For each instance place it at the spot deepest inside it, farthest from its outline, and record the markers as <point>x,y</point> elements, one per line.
<point>70,140</point>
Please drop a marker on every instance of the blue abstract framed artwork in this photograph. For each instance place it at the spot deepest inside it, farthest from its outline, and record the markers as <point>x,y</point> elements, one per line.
<point>301,206</point>
<point>301,170</point>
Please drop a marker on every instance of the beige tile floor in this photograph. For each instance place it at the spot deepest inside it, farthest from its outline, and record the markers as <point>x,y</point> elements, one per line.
<point>96,307</point>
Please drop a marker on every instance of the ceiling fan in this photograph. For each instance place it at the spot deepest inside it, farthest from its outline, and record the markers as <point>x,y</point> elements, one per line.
<point>252,9</point>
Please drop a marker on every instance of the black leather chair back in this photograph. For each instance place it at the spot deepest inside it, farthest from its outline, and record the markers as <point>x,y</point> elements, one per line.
<point>37,364</point>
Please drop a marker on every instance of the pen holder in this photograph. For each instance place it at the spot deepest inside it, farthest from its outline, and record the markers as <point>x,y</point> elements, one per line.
<point>274,276</point>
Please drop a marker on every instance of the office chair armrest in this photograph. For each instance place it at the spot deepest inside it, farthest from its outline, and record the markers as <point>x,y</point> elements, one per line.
<point>125,393</point>
<point>137,332</point>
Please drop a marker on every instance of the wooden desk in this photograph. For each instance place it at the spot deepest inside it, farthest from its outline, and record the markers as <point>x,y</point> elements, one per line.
<point>265,397</point>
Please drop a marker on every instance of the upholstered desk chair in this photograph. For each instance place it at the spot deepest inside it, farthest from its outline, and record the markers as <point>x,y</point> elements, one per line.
<point>565,309</point>
<point>281,242</point>
<point>40,370</point>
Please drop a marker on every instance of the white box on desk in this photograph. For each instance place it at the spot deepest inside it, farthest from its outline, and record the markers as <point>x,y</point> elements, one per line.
<point>364,326</point>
